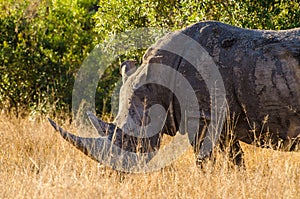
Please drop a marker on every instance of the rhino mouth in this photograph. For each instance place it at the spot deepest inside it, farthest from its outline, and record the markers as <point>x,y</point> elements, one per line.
<point>109,149</point>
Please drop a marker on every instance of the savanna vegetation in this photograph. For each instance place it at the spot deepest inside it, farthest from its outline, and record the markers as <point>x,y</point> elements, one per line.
<point>43,43</point>
<point>35,162</point>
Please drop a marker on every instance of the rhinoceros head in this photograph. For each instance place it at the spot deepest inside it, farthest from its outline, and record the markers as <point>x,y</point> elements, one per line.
<point>136,130</point>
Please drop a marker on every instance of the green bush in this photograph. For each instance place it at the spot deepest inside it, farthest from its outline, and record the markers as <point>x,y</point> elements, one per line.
<point>43,43</point>
<point>42,46</point>
<point>116,16</point>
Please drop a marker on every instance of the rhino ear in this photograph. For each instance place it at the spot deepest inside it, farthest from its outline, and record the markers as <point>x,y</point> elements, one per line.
<point>127,68</point>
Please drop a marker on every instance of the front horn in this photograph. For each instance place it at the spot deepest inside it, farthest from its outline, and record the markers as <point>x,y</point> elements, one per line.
<point>104,151</point>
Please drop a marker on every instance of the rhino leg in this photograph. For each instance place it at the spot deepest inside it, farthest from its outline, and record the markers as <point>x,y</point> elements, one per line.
<point>232,148</point>
<point>234,152</point>
<point>227,144</point>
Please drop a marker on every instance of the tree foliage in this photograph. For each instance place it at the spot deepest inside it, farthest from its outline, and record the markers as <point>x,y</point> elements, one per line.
<point>43,43</point>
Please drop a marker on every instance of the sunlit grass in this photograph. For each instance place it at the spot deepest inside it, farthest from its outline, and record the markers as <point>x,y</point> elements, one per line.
<point>35,162</point>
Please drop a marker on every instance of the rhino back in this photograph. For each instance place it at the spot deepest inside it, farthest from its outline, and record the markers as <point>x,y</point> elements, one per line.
<point>260,71</point>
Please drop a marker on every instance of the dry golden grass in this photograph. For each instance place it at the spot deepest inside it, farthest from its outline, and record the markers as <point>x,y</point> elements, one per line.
<point>35,162</point>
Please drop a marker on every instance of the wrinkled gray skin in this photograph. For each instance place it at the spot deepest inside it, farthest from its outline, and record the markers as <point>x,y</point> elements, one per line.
<point>261,74</point>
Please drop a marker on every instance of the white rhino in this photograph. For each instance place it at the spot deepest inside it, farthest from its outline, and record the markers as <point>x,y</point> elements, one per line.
<point>260,71</point>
